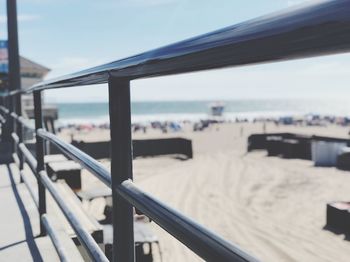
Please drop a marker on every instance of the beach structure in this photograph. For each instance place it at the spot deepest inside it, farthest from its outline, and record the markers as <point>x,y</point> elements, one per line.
<point>322,150</point>
<point>338,217</point>
<point>141,147</point>
<point>297,147</point>
<point>172,146</point>
<point>326,153</point>
<point>217,108</point>
<point>69,171</point>
<point>317,29</point>
<point>287,145</point>
<point>30,74</point>
<point>343,159</point>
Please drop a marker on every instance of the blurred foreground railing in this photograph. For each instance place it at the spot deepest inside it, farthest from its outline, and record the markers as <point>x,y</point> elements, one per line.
<point>317,29</point>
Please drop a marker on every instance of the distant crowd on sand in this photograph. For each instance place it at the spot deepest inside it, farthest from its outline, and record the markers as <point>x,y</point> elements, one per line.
<point>307,120</point>
<point>200,125</point>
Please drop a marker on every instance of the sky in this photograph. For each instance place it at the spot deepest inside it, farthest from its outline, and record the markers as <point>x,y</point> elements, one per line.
<point>71,35</point>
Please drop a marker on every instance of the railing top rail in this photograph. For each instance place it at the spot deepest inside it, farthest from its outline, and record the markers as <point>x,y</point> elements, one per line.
<point>310,30</point>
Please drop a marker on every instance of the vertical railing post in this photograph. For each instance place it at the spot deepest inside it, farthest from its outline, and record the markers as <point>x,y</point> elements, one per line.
<point>14,77</point>
<point>19,132</point>
<point>39,157</point>
<point>121,167</point>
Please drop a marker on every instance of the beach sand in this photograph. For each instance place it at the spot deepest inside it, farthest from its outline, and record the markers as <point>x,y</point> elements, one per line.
<point>273,208</point>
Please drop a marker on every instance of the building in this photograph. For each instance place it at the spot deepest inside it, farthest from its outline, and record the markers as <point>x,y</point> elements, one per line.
<point>31,73</point>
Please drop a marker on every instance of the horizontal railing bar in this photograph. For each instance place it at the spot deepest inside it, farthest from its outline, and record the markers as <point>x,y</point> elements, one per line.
<point>25,180</point>
<point>83,159</point>
<point>22,121</point>
<point>15,159</point>
<point>14,115</point>
<point>30,188</point>
<point>28,157</point>
<point>4,109</point>
<point>2,119</point>
<point>52,232</point>
<point>310,30</point>
<point>204,243</point>
<point>84,237</point>
<point>15,138</point>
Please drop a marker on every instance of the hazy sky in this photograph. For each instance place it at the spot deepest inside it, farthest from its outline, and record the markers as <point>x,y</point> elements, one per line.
<point>70,35</point>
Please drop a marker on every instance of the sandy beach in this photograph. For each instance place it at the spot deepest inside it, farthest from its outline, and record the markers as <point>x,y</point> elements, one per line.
<point>273,208</point>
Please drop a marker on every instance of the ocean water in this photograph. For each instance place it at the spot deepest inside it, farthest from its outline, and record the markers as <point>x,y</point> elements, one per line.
<point>195,110</point>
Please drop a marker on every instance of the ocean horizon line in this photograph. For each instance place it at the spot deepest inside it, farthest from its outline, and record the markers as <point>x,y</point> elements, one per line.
<point>197,110</point>
<point>204,100</point>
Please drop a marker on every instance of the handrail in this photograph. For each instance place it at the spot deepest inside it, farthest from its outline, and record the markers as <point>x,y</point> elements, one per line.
<point>22,121</point>
<point>91,247</point>
<point>14,115</point>
<point>25,179</point>
<point>83,159</point>
<point>29,158</point>
<point>4,109</point>
<point>2,119</point>
<point>15,159</point>
<point>62,253</point>
<point>30,188</point>
<point>15,137</point>
<point>311,30</point>
<point>200,240</point>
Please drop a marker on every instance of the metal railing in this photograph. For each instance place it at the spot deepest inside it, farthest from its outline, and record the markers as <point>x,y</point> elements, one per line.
<point>311,30</point>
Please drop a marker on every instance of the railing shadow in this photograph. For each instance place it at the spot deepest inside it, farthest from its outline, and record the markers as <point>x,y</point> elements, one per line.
<point>30,238</point>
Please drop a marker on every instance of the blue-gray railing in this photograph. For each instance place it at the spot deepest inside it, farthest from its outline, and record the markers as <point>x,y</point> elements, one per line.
<point>310,30</point>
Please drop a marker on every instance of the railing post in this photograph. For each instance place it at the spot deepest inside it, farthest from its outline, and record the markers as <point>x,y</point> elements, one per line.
<point>121,168</point>
<point>14,64</point>
<point>39,157</point>
<point>19,132</point>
